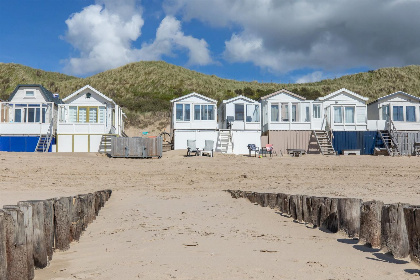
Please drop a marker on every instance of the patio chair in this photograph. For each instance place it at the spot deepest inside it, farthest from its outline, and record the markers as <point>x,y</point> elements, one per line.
<point>252,148</point>
<point>208,148</point>
<point>269,149</point>
<point>191,148</point>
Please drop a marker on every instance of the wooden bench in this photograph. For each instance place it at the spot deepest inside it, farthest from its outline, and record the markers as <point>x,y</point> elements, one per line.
<point>296,152</point>
<point>351,152</point>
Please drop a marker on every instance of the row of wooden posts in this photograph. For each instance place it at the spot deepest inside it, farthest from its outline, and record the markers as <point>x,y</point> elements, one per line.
<point>393,228</point>
<point>31,230</point>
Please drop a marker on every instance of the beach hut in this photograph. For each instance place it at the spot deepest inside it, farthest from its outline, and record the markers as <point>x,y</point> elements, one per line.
<point>87,120</point>
<point>28,119</point>
<point>396,117</point>
<point>288,121</point>
<point>193,118</point>
<point>239,125</point>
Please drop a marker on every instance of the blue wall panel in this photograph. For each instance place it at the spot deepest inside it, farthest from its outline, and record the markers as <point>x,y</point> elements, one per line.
<point>20,143</point>
<point>364,141</point>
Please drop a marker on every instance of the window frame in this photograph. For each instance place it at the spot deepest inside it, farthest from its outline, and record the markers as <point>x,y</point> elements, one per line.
<point>201,106</point>
<point>246,112</point>
<point>318,111</point>
<point>87,114</point>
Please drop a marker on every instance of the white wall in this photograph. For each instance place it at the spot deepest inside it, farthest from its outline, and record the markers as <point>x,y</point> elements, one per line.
<point>229,110</point>
<point>241,139</point>
<point>78,143</point>
<point>181,137</point>
<point>20,95</point>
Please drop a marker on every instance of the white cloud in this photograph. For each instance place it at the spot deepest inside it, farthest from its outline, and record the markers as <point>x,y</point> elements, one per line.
<point>283,36</point>
<point>311,77</point>
<point>103,35</point>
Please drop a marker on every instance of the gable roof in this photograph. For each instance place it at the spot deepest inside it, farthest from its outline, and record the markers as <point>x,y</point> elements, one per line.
<point>239,97</point>
<point>396,93</point>
<point>323,98</point>
<point>92,89</point>
<point>194,94</point>
<point>283,91</point>
<point>48,96</point>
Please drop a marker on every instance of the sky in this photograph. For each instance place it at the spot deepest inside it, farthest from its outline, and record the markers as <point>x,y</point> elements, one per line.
<point>282,41</point>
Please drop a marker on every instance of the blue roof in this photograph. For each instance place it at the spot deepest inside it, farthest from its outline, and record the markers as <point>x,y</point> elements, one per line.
<point>48,96</point>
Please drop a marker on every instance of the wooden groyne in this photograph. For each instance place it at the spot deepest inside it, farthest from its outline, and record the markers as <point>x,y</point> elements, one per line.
<point>393,228</point>
<point>32,230</point>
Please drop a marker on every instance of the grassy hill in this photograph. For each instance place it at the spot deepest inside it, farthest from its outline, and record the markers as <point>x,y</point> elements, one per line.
<point>147,87</point>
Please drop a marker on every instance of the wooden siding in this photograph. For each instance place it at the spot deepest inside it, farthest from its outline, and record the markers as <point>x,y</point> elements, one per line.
<point>406,141</point>
<point>284,139</point>
<point>136,147</point>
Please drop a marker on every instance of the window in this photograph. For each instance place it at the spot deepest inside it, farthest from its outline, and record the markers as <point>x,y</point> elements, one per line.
<point>317,111</point>
<point>284,112</point>
<point>30,93</point>
<point>82,116</point>
<point>203,112</point>
<point>274,112</point>
<point>93,115</point>
<point>18,115</point>
<point>252,113</point>
<point>349,114</point>
<point>361,114</point>
<point>102,114</point>
<point>187,112</point>
<point>385,112</point>
<point>239,112</point>
<point>72,114</point>
<point>338,117</point>
<point>410,113</point>
<point>179,112</point>
<point>397,113</point>
<point>306,113</point>
<point>295,113</point>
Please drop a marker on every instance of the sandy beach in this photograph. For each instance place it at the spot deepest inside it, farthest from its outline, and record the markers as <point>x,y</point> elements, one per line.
<point>169,218</point>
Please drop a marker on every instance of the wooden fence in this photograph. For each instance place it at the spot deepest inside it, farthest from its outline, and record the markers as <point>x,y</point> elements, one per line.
<point>31,230</point>
<point>137,147</point>
<point>406,140</point>
<point>393,228</point>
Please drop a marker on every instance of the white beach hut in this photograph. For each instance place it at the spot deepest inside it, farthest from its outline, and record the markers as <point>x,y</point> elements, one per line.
<point>193,118</point>
<point>239,125</point>
<point>87,120</point>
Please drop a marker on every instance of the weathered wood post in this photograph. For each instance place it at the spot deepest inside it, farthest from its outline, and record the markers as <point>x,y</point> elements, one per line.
<point>103,198</point>
<point>26,208</point>
<point>299,210</point>
<point>40,255</point>
<point>349,216</point>
<point>62,223</point>
<point>316,205</point>
<point>394,231</point>
<point>292,206</point>
<point>331,212</point>
<point>98,202</point>
<point>412,220</point>
<point>16,249</point>
<point>306,209</point>
<point>49,227</point>
<point>272,200</point>
<point>76,213</point>
<point>370,223</point>
<point>3,254</point>
<point>109,193</point>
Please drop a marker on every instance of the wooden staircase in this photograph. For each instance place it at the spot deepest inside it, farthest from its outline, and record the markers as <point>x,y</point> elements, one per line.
<point>389,143</point>
<point>225,141</point>
<point>324,142</point>
<point>105,145</point>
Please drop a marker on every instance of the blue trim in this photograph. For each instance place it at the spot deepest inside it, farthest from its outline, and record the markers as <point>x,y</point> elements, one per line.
<point>20,143</point>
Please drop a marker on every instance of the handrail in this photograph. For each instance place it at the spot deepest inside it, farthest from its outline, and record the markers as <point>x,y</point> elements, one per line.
<point>49,136</point>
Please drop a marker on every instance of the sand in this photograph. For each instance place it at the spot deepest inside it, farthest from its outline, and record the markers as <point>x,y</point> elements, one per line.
<point>169,218</point>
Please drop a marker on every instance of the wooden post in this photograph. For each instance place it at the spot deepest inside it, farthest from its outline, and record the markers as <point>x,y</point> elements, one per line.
<point>92,202</point>
<point>316,203</point>
<point>109,193</point>
<point>370,223</point>
<point>306,209</point>
<point>3,254</point>
<point>262,199</point>
<point>280,202</point>
<point>49,227</point>
<point>62,223</point>
<point>299,210</point>
<point>103,198</point>
<point>292,206</point>
<point>412,220</point>
<point>98,202</point>
<point>331,215</point>
<point>349,216</point>
<point>26,208</point>
<point>16,249</point>
<point>76,213</point>
<point>394,231</point>
<point>40,255</point>
<point>272,200</point>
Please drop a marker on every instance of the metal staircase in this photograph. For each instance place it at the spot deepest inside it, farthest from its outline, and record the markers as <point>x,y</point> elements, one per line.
<point>44,140</point>
<point>324,142</point>
<point>225,141</point>
<point>105,145</point>
<point>388,139</point>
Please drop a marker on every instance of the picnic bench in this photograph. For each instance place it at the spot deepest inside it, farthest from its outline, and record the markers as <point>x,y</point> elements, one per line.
<point>296,152</point>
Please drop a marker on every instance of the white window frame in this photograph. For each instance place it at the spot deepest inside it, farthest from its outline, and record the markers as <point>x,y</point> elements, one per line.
<point>201,104</point>
<point>29,96</point>
<point>183,112</point>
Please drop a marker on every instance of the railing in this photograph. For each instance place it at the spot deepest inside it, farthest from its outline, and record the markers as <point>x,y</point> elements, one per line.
<point>49,135</point>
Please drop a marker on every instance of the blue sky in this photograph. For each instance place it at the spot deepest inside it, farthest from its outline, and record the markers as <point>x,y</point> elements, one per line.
<point>262,40</point>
